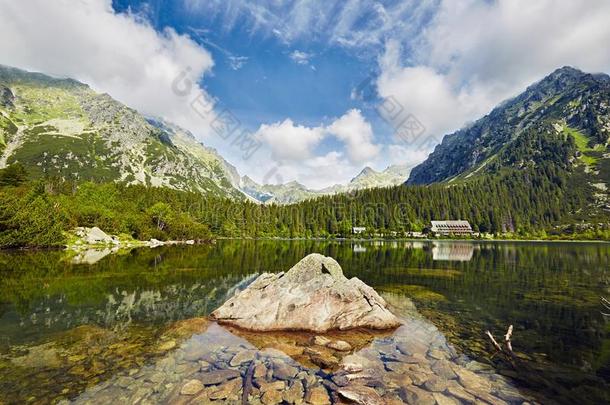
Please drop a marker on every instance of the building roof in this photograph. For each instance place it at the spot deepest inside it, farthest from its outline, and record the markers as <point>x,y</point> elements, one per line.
<point>451,226</point>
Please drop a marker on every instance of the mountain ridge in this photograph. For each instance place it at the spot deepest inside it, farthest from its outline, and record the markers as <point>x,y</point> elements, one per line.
<point>293,192</point>
<point>61,127</point>
<point>568,100</point>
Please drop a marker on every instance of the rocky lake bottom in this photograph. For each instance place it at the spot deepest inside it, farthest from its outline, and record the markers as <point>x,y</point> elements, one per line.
<point>413,364</point>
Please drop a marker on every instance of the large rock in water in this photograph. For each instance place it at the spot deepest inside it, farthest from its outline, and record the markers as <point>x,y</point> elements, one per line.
<point>314,295</point>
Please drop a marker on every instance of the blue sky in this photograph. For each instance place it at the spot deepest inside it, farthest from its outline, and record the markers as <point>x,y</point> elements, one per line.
<point>268,71</point>
<point>288,69</point>
<point>264,77</point>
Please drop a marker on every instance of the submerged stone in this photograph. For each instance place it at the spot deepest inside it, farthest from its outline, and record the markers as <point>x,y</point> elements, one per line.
<point>361,395</point>
<point>318,396</point>
<point>218,376</point>
<point>340,345</point>
<point>191,387</point>
<point>314,295</point>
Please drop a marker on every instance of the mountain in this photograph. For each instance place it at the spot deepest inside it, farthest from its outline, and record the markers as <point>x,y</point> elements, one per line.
<point>61,127</point>
<point>563,120</point>
<point>294,192</point>
<point>369,178</point>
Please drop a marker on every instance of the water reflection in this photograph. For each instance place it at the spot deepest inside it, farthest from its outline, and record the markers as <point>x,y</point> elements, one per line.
<point>359,248</point>
<point>549,291</point>
<point>452,251</point>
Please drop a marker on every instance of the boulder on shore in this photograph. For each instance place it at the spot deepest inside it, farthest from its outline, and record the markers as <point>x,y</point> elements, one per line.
<point>314,296</point>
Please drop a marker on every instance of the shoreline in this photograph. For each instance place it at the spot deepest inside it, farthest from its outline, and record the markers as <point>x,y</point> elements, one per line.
<point>139,244</point>
<point>420,240</point>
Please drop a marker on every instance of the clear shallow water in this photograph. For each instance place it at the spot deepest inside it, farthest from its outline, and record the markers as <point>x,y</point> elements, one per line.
<point>123,307</point>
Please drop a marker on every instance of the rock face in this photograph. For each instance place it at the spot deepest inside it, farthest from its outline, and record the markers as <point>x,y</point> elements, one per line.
<point>94,236</point>
<point>314,295</point>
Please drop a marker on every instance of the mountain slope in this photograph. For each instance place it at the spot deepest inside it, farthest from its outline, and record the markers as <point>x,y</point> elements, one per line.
<point>564,116</point>
<point>60,127</point>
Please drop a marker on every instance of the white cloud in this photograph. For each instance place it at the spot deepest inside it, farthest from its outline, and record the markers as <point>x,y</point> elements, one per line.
<point>292,151</point>
<point>475,54</point>
<point>315,172</point>
<point>292,142</point>
<point>300,57</point>
<point>354,24</point>
<point>288,141</point>
<point>237,62</point>
<point>357,135</point>
<point>119,54</point>
<point>401,155</point>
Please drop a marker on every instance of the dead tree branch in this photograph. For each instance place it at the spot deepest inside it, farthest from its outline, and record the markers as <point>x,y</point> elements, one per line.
<point>507,337</point>
<point>493,340</point>
<point>605,304</point>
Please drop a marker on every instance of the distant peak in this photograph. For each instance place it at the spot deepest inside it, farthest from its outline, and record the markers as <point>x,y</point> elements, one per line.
<point>565,72</point>
<point>295,183</point>
<point>367,171</point>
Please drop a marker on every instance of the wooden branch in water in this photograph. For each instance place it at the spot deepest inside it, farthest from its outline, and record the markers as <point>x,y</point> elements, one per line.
<point>493,340</point>
<point>606,305</point>
<point>509,333</point>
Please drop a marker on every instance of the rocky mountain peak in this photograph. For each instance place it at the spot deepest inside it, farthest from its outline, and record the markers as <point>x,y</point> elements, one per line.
<point>568,100</point>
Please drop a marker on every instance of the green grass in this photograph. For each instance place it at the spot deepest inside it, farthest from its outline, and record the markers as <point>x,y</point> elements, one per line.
<point>86,151</point>
<point>7,129</point>
<point>582,143</point>
<point>45,103</point>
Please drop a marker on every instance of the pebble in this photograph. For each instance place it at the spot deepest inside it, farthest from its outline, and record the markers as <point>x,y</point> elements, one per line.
<point>242,357</point>
<point>318,396</point>
<point>191,387</point>
<point>361,395</point>
<point>436,384</point>
<point>271,397</point>
<point>264,386</point>
<point>444,400</point>
<point>321,340</point>
<point>470,380</point>
<point>415,395</point>
<point>340,345</point>
<point>294,395</point>
<point>284,371</point>
<point>437,354</point>
<point>218,376</point>
<point>229,390</point>
<point>443,369</point>
<point>460,393</point>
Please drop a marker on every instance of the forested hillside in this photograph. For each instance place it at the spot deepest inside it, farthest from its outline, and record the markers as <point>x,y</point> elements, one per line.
<point>527,203</point>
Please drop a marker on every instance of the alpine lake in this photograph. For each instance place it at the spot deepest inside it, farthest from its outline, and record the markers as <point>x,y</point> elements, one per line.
<point>131,326</point>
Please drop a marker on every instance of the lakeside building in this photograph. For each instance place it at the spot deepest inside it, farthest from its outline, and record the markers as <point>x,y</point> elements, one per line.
<point>449,228</point>
<point>358,230</point>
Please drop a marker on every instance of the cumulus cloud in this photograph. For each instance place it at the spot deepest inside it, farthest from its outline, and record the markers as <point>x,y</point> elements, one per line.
<point>357,135</point>
<point>289,141</point>
<point>475,54</point>
<point>315,172</point>
<point>120,54</point>
<point>294,155</point>
<point>398,154</point>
